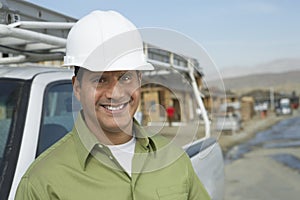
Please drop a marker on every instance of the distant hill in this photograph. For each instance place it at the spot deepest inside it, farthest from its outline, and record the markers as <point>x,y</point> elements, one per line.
<point>275,66</point>
<point>281,82</point>
<point>283,75</point>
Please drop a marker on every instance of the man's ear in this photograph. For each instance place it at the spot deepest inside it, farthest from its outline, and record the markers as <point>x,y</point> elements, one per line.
<point>76,87</point>
<point>140,77</point>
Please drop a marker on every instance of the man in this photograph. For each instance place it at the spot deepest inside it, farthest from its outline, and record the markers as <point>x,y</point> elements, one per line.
<point>170,114</point>
<point>108,155</point>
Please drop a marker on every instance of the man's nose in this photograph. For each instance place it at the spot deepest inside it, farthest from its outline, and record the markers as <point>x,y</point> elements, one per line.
<point>114,90</point>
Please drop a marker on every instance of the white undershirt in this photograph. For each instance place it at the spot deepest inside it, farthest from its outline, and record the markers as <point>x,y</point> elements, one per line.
<point>124,154</point>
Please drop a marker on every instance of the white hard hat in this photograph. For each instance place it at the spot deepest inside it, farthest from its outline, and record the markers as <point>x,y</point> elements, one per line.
<point>105,41</point>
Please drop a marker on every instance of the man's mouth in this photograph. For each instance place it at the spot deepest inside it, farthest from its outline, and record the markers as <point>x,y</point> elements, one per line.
<point>115,108</point>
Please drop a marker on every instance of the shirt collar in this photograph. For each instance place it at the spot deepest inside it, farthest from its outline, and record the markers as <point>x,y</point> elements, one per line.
<point>85,140</point>
<point>143,137</point>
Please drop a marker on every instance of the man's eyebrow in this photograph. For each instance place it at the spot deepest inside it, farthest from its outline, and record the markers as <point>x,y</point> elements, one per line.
<point>93,76</point>
<point>125,72</point>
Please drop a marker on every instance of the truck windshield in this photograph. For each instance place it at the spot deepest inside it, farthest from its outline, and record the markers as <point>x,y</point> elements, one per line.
<point>9,94</point>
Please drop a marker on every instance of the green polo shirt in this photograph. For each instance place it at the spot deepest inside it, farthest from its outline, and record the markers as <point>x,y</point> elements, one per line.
<point>78,167</point>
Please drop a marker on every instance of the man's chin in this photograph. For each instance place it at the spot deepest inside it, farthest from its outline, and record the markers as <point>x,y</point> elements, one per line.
<point>117,127</point>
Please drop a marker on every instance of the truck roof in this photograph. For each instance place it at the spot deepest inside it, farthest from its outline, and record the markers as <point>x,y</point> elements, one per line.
<point>29,71</point>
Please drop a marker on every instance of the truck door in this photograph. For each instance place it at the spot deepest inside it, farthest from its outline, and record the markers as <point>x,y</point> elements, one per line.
<point>58,116</point>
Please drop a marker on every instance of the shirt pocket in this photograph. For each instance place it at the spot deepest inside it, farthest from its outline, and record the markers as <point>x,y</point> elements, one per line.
<point>174,192</point>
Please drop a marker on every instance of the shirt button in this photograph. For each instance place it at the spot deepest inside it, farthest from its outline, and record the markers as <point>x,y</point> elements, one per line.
<point>110,157</point>
<point>100,146</point>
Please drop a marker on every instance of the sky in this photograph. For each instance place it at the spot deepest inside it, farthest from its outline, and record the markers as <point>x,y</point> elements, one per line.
<point>235,33</point>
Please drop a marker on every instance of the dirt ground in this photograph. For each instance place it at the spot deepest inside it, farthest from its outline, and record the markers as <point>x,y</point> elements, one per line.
<point>257,176</point>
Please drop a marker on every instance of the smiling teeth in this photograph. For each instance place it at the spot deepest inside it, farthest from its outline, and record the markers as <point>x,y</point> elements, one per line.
<point>113,108</point>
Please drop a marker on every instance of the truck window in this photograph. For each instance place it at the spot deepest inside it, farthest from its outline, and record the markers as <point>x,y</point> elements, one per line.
<point>9,98</point>
<point>57,117</point>
<point>13,104</point>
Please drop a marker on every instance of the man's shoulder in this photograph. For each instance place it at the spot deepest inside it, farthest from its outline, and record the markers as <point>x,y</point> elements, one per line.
<point>168,147</point>
<point>163,142</point>
<point>167,156</point>
<point>59,153</point>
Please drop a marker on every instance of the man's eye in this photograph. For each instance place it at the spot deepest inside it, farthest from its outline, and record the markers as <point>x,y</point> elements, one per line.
<point>126,77</point>
<point>101,80</point>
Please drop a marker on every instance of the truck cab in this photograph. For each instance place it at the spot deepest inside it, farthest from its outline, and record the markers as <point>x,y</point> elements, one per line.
<point>33,101</point>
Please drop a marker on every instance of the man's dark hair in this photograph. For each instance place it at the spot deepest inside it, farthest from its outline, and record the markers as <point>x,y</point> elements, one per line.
<point>78,72</point>
<point>76,69</point>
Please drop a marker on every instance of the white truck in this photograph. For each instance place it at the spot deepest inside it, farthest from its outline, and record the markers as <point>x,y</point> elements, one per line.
<point>230,118</point>
<point>284,107</point>
<point>36,102</point>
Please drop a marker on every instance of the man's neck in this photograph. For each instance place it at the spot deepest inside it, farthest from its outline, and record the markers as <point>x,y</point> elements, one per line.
<point>109,137</point>
<point>114,138</point>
